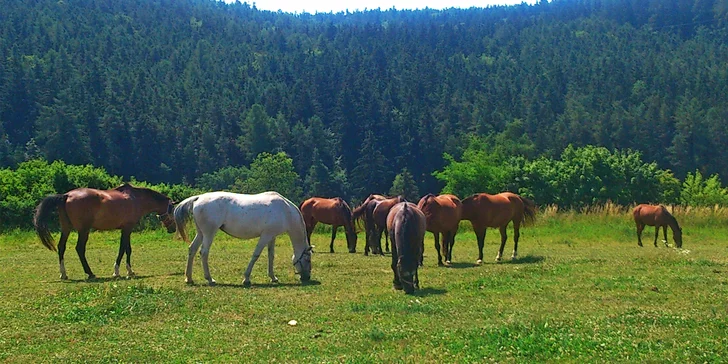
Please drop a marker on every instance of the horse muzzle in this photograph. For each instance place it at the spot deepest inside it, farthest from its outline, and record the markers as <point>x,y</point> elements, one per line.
<point>305,277</point>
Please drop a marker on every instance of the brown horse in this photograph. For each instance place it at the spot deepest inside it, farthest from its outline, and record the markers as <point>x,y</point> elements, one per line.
<point>332,211</point>
<point>406,226</point>
<point>656,216</point>
<point>378,221</point>
<point>484,211</point>
<point>363,214</point>
<point>85,208</point>
<point>443,215</point>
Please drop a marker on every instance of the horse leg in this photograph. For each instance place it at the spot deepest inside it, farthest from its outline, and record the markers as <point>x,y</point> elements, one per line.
<point>504,236</point>
<point>640,227</point>
<point>386,240</point>
<point>379,240</point>
<point>664,234</point>
<point>516,235</point>
<point>61,252</point>
<point>333,236</point>
<point>396,284</point>
<point>81,250</point>
<point>309,231</point>
<point>122,249</point>
<point>205,254</point>
<point>126,235</point>
<point>271,257</point>
<point>480,235</point>
<point>262,242</point>
<point>194,246</point>
<point>657,233</point>
<point>368,238</point>
<point>437,247</point>
<point>452,244</point>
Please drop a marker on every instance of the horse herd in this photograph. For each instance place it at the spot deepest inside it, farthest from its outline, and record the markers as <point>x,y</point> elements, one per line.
<point>268,214</point>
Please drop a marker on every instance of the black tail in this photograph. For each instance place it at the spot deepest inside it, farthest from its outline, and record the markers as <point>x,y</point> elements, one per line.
<point>529,210</point>
<point>43,213</point>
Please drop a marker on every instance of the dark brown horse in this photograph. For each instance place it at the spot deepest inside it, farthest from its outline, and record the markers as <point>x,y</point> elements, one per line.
<point>656,216</point>
<point>85,208</point>
<point>406,226</point>
<point>443,215</point>
<point>332,211</point>
<point>363,214</point>
<point>484,211</point>
<point>378,221</point>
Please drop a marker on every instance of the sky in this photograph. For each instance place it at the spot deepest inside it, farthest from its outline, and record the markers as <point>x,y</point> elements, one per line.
<point>325,6</point>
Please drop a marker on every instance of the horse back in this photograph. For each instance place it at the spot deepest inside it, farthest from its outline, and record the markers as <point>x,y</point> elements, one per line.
<point>442,213</point>
<point>332,211</point>
<point>487,210</point>
<point>100,209</point>
<point>651,215</point>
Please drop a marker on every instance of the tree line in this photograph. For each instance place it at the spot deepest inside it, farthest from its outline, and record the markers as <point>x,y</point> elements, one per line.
<point>167,91</point>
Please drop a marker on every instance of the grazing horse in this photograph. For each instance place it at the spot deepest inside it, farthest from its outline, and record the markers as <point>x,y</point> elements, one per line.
<point>484,211</point>
<point>656,216</point>
<point>443,214</point>
<point>265,215</point>
<point>85,208</point>
<point>406,226</point>
<point>378,221</point>
<point>332,211</point>
<point>359,214</point>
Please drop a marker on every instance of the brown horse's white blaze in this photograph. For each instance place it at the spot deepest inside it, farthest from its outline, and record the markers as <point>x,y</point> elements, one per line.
<point>331,211</point>
<point>84,209</point>
<point>657,216</point>
<point>484,211</point>
<point>443,215</point>
<point>406,226</point>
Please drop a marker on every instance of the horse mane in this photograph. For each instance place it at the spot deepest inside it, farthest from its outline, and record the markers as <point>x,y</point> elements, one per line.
<point>154,195</point>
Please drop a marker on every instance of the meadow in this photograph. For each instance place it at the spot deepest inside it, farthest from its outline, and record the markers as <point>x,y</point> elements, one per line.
<point>581,291</point>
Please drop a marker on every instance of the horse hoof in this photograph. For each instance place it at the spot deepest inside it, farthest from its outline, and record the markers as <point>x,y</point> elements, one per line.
<point>189,282</point>
<point>397,287</point>
<point>332,251</point>
<point>246,284</point>
<point>64,277</point>
<point>274,280</point>
<point>447,263</point>
<point>91,277</point>
<point>439,264</point>
<point>352,251</point>
<point>479,262</point>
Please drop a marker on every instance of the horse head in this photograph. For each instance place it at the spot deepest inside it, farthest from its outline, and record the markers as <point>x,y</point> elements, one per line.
<point>167,218</point>
<point>302,264</point>
<point>677,236</point>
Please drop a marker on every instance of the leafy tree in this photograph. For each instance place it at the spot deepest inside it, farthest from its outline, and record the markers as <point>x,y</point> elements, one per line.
<point>698,191</point>
<point>272,172</point>
<point>404,185</point>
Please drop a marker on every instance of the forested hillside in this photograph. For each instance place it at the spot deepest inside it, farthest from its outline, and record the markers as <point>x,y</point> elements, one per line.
<point>167,90</point>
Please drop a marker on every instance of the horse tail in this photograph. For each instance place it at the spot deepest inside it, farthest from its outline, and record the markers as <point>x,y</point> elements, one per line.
<point>43,213</point>
<point>182,213</point>
<point>404,236</point>
<point>529,210</point>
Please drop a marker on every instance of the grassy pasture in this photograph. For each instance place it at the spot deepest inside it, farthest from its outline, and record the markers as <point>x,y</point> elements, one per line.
<point>582,290</point>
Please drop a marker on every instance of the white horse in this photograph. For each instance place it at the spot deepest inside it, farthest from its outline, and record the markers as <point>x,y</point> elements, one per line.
<point>265,215</point>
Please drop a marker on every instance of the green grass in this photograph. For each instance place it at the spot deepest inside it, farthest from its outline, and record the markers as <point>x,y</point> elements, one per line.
<point>582,290</point>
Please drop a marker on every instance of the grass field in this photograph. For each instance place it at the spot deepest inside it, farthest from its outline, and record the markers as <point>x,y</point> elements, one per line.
<point>582,290</point>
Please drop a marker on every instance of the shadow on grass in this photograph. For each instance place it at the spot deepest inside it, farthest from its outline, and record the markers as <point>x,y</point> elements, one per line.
<point>528,259</point>
<point>267,285</point>
<point>461,265</point>
<point>428,291</point>
<point>102,279</point>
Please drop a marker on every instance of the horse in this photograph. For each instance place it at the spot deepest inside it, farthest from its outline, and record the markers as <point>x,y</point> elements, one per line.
<point>83,209</point>
<point>332,211</point>
<point>484,211</point>
<point>377,217</point>
<point>406,226</point>
<point>265,215</point>
<point>656,216</point>
<point>443,215</point>
<point>359,215</point>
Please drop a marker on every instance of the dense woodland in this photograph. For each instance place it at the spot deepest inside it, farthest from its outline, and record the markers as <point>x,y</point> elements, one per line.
<point>171,90</point>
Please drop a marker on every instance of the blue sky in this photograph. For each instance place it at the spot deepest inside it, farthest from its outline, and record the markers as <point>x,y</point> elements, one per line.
<point>313,6</point>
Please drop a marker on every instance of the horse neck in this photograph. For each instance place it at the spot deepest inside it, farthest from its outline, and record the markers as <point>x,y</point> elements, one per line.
<point>297,233</point>
<point>672,222</point>
<point>148,203</point>
<point>467,210</point>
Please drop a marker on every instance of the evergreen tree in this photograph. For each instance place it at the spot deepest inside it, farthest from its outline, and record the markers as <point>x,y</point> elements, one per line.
<point>404,185</point>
